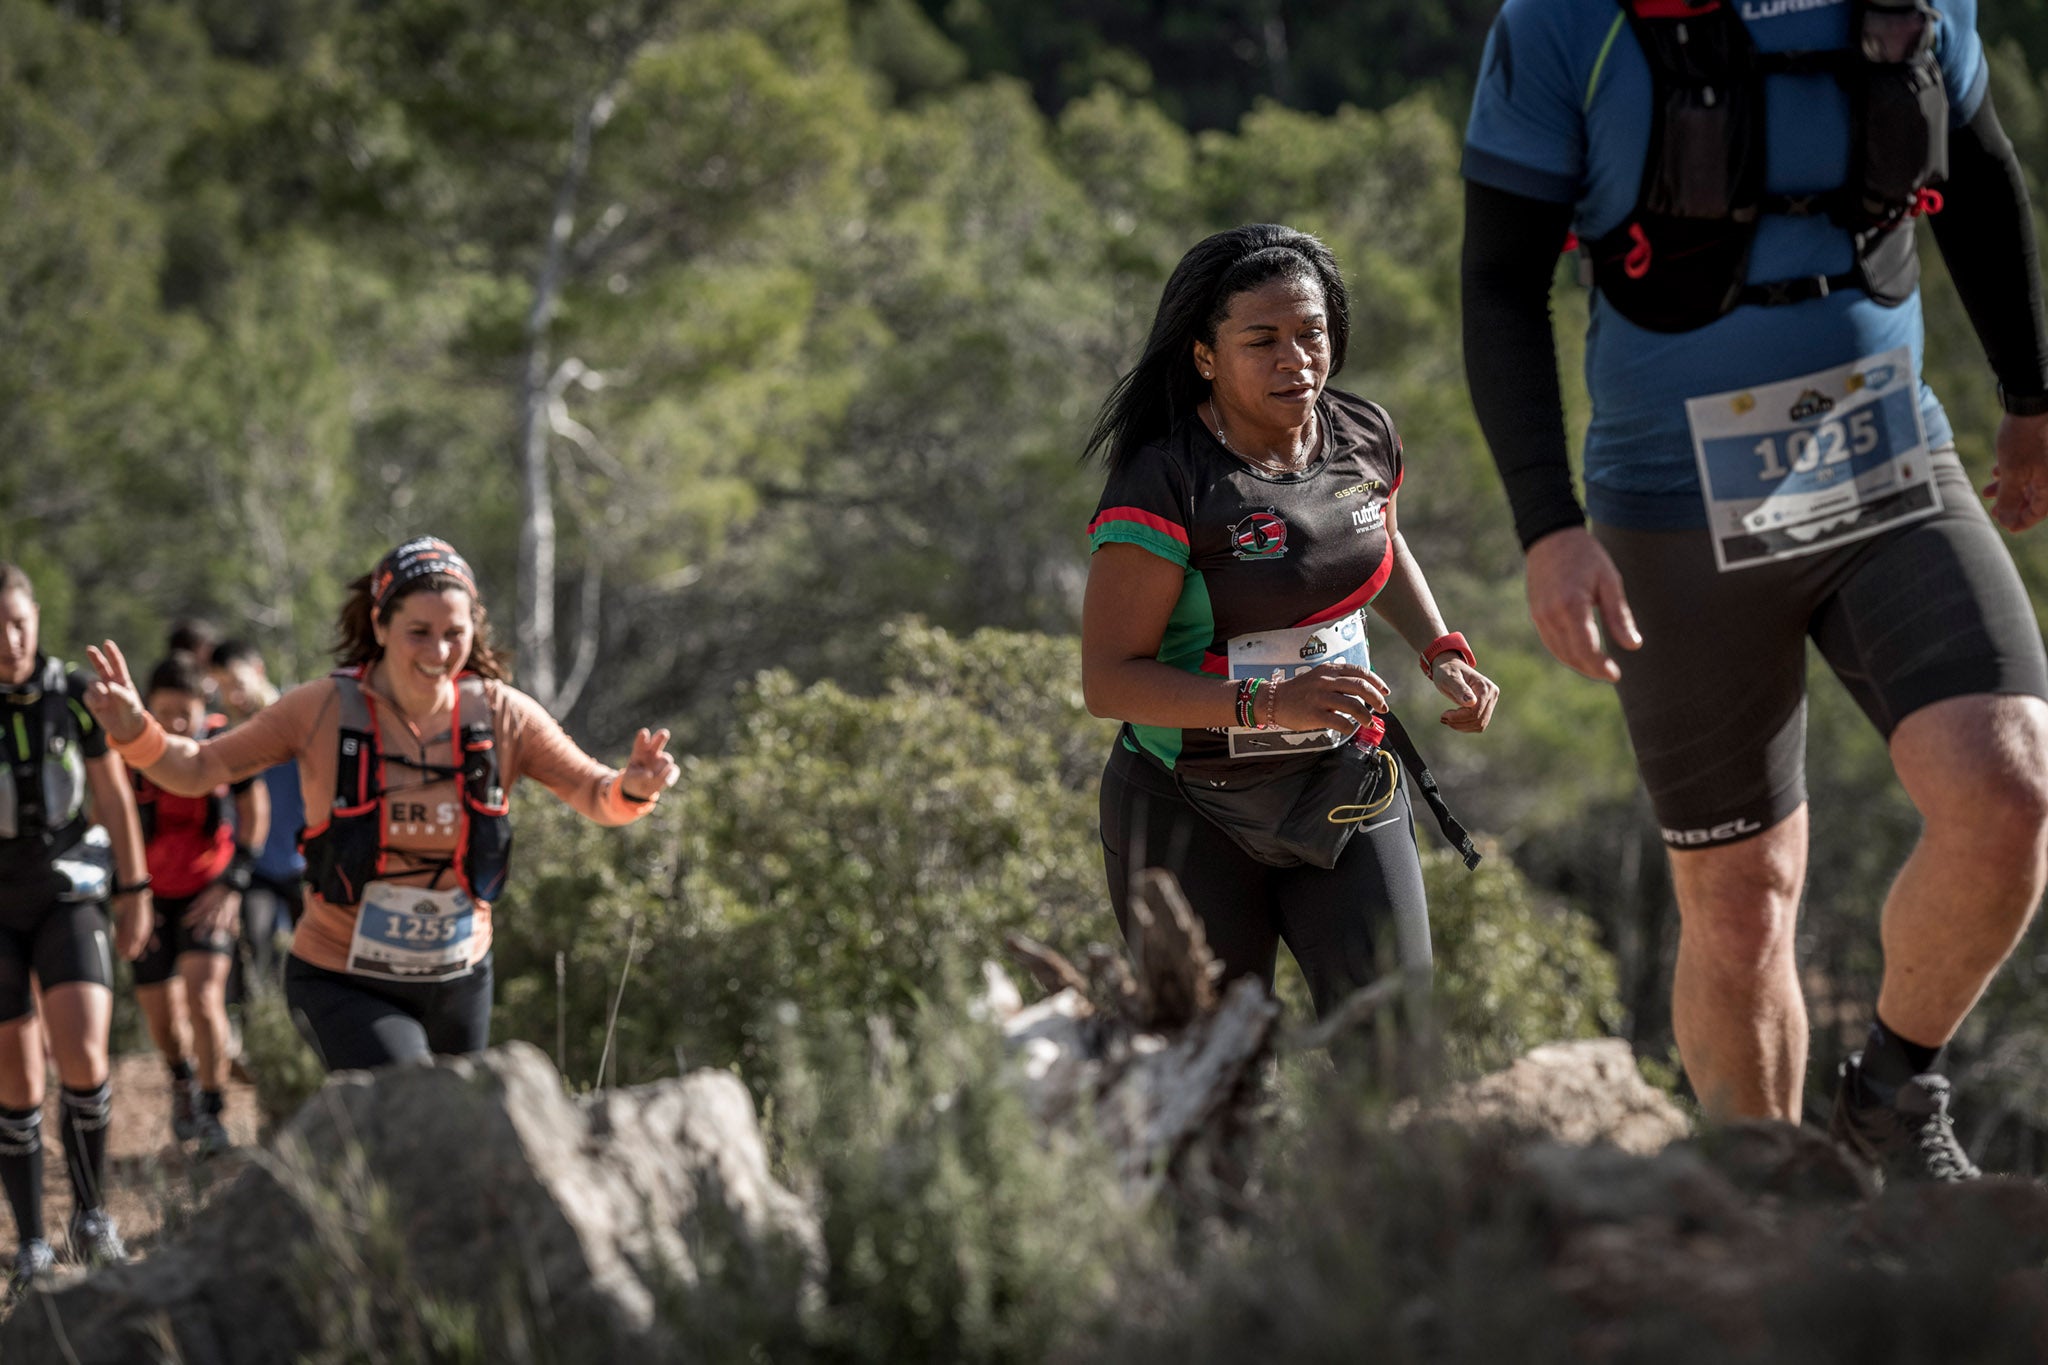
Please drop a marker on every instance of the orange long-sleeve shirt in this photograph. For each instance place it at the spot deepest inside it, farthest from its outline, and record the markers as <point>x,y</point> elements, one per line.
<point>305,724</point>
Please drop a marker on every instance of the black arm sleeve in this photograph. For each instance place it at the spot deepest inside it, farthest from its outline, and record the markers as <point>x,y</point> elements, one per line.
<point>1986,233</point>
<point>1511,246</point>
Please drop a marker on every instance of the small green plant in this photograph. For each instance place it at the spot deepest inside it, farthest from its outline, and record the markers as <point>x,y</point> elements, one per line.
<point>286,1071</point>
<point>953,1229</point>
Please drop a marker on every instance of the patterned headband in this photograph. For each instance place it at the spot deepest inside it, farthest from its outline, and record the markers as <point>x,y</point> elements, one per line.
<point>416,559</point>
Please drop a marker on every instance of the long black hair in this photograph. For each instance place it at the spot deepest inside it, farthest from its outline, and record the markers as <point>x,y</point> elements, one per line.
<point>1163,386</point>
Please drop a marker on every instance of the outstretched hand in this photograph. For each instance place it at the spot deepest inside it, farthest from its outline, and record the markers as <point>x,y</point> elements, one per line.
<point>113,699</point>
<point>652,769</point>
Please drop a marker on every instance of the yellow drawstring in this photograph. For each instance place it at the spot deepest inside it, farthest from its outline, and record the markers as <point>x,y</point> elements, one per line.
<point>1366,812</point>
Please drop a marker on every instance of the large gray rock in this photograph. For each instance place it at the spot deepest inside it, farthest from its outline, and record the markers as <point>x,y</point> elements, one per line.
<point>1581,1092</point>
<point>477,1186</point>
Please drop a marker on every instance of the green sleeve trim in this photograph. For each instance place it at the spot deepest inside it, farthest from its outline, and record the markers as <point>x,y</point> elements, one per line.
<point>1162,744</point>
<point>1600,63</point>
<point>1130,533</point>
<point>84,716</point>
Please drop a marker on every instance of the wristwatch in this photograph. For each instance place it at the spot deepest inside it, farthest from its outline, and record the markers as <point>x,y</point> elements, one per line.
<point>2022,404</point>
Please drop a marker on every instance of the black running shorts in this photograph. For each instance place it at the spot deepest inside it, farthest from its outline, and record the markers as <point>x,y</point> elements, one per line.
<point>360,1022</point>
<point>1716,697</point>
<point>1345,925</point>
<point>58,941</point>
<point>172,938</point>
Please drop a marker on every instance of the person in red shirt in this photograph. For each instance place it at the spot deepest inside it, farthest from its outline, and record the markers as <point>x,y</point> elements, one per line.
<point>199,866</point>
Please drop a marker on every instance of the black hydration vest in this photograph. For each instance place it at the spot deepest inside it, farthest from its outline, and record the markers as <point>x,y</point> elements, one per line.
<point>1680,259</point>
<point>346,853</point>
<point>42,784</point>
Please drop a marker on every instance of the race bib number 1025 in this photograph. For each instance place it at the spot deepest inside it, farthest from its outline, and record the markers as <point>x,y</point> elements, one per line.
<point>1801,466</point>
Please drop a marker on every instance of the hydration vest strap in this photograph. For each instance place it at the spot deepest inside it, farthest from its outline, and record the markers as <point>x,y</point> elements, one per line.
<point>1398,740</point>
<point>353,783</point>
<point>1827,63</point>
<point>1777,293</point>
<point>1797,205</point>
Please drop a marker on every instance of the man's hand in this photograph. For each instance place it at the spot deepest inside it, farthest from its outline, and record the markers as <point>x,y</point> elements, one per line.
<point>1570,579</point>
<point>215,912</point>
<point>134,921</point>
<point>2019,479</point>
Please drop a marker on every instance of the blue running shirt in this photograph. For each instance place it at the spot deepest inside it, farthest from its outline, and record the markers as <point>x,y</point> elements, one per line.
<point>1563,114</point>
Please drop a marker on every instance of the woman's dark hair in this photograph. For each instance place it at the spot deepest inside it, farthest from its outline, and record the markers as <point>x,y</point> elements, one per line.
<point>1163,387</point>
<point>235,650</point>
<point>180,671</point>
<point>192,635</point>
<point>12,579</point>
<point>355,639</point>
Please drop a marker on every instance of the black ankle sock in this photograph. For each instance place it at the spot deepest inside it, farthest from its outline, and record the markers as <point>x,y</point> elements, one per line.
<point>87,1114</point>
<point>212,1102</point>
<point>1892,1060</point>
<point>21,1168</point>
<point>181,1070</point>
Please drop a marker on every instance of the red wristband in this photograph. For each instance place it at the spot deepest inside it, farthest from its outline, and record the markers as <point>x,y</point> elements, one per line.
<point>1454,643</point>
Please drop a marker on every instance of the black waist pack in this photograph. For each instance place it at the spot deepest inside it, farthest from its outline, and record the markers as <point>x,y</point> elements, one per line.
<point>1295,812</point>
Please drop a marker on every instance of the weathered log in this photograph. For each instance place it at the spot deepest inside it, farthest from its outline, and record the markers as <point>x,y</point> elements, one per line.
<point>1170,956</point>
<point>1168,1069</point>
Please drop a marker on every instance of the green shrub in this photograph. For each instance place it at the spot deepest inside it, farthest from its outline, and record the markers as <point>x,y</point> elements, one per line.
<point>1513,970</point>
<point>952,1231</point>
<point>841,852</point>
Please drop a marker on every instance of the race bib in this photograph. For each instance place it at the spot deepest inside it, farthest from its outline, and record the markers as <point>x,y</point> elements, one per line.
<point>1277,655</point>
<point>404,933</point>
<point>1805,465</point>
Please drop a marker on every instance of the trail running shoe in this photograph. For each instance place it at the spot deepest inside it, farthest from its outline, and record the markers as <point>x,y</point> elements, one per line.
<point>33,1262</point>
<point>94,1240</point>
<point>1911,1138</point>
<point>213,1135</point>
<point>185,1108</point>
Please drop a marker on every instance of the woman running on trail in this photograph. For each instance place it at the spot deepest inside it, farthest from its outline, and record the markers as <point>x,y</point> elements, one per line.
<point>200,860</point>
<point>55,882</point>
<point>1247,523</point>
<point>406,755</point>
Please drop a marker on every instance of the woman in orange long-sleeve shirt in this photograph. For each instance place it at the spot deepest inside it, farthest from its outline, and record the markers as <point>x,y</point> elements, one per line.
<point>406,755</point>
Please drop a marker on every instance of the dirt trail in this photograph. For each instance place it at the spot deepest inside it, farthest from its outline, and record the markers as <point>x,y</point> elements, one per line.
<point>153,1182</point>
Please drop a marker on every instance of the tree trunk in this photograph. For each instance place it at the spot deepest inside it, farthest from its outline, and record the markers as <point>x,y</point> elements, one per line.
<point>535,627</point>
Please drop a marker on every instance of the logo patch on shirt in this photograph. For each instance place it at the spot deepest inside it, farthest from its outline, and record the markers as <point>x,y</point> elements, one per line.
<point>1261,535</point>
<point>1753,10</point>
<point>1811,403</point>
<point>1368,486</point>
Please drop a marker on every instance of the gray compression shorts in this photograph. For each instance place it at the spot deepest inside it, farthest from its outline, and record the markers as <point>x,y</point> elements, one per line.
<point>1716,698</point>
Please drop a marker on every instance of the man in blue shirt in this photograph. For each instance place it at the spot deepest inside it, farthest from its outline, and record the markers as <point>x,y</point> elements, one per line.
<point>1764,465</point>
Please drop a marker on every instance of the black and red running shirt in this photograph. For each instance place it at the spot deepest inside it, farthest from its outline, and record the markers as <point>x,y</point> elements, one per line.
<point>1261,551</point>
<point>189,840</point>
